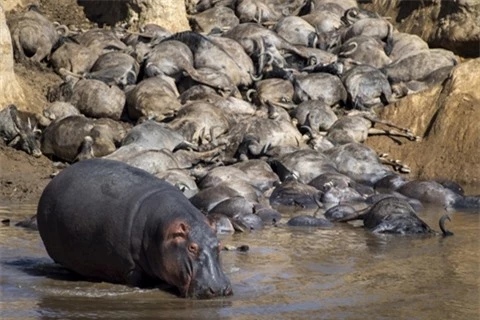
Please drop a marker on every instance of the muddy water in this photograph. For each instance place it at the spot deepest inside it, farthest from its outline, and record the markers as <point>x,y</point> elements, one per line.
<point>288,273</point>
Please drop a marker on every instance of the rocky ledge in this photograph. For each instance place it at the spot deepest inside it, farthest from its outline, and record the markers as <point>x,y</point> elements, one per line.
<point>447,117</point>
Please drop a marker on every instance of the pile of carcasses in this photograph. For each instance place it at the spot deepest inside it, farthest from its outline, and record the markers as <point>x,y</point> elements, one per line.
<point>265,104</point>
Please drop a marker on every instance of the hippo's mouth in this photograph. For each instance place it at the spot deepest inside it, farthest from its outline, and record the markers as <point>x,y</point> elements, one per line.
<point>194,291</point>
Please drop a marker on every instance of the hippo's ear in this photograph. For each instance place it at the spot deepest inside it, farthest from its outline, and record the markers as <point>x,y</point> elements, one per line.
<point>177,231</point>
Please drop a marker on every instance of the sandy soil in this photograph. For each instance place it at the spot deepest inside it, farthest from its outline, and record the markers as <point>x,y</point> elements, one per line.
<point>22,177</point>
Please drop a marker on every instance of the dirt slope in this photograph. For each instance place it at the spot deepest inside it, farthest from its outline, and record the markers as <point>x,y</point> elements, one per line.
<point>447,117</point>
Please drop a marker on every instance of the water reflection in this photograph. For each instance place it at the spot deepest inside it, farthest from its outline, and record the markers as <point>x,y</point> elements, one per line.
<point>343,272</point>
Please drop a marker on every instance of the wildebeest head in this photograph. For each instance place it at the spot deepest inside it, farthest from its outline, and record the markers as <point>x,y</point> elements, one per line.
<point>17,133</point>
<point>190,260</point>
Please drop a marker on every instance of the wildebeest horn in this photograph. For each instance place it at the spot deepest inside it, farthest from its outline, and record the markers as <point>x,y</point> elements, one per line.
<point>350,15</point>
<point>309,131</point>
<point>62,30</point>
<point>261,61</point>
<point>350,51</point>
<point>255,78</point>
<point>441,223</point>
<point>249,93</point>
<point>312,40</point>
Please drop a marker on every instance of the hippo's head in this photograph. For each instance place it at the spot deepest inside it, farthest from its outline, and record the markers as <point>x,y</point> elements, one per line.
<point>190,260</point>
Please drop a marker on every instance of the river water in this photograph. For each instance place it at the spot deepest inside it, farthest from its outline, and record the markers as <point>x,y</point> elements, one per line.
<point>338,273</point>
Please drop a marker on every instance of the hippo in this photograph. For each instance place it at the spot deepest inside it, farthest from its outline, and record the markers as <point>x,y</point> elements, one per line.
<point>135,229</point>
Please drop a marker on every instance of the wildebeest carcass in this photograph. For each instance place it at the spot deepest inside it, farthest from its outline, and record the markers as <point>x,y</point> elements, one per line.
<point>33,35</point>
<point>392,215</point>
<point>18,134</point>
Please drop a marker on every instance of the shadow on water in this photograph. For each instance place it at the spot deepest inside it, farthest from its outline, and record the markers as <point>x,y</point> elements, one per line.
<point>43,267</point>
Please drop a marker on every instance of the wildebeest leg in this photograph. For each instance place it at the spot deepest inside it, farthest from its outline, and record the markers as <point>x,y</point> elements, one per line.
<point>386,100</point>
<point>405,131</point>
<point>332,68</point>
<point>65,73</point>
<point>285,105</point>
<point>40,54</point>
<point>393,133</point>
<point>185,145</point>
<point>19,53</point>
<point>196,137</point>
<point>204,139</point>
<point>396,164</point>
<point>195,157</point>
<point>286,11</point>
<point>282,171</point>
<point>211,82</point>
<point>258,18</point>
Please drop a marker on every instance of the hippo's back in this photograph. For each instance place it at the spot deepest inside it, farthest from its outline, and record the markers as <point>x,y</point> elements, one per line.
<point>86,213</point>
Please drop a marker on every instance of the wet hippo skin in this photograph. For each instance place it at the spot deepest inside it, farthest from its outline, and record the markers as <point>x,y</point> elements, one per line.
<point>108,221</point>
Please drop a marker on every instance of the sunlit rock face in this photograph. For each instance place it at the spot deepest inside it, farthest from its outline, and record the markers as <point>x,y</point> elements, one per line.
<point>447,118</point>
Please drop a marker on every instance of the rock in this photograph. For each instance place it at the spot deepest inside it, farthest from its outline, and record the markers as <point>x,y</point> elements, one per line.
<point>170,14</point>
<point>12,4</point>
<point>453,25</point>
<point>447,117</point>
<point>10,89</point>
<point>105,12</point>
